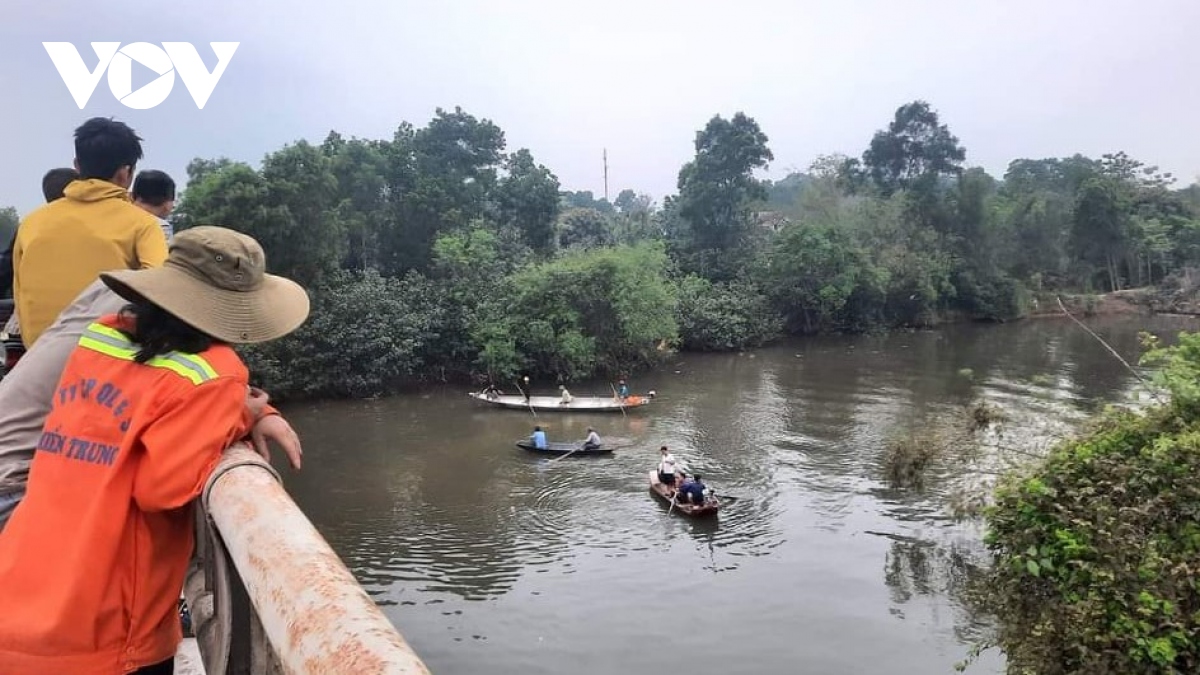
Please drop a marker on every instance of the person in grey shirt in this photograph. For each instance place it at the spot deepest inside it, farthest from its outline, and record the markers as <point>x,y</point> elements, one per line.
<point>27,392</point>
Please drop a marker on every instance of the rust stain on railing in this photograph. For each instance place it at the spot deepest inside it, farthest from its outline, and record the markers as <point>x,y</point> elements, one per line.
<point>315,614</point>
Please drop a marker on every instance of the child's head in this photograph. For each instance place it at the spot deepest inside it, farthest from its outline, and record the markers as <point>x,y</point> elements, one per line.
<point>154,191</point>
<point>55,181</point>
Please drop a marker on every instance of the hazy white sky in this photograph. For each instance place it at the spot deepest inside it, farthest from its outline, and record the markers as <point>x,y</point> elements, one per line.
<point>566,78</point>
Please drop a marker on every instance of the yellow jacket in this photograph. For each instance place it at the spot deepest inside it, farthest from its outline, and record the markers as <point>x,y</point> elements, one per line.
<point>63,246</point>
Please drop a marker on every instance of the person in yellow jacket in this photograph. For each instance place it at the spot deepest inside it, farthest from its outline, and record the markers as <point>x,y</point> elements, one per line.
<point>63,247</point>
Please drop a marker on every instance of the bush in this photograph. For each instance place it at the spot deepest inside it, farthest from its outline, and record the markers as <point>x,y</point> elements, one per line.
<point>604,309</point>
<point>1097,548</point>
<point>724,317</point>
<point>366,336</point>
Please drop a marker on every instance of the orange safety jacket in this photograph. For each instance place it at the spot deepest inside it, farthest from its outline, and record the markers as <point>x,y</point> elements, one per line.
<point>94,557</point>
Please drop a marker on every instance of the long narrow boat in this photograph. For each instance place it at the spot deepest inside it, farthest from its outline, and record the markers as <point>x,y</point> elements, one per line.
<point>563,448</point>
<point>663,492</point>
<point>554,404</point>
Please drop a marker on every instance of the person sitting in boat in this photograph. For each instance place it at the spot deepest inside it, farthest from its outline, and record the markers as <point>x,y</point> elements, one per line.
<point>666,467</point>
<point>622,390</point>
<point>592,442</point>
<point>492,392</point>
<point>566,396</point>
<point>692,490</point>
<point>538,438</point>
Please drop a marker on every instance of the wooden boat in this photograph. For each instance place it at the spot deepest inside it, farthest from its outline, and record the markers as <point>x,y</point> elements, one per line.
<point>554,404</point>
<point>562,448</point>
<point>663,492</point>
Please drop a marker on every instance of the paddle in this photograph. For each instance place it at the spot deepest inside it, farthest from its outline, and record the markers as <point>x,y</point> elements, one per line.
<point>527,401</point>
<point>618,397</point>
<point>565,456</point>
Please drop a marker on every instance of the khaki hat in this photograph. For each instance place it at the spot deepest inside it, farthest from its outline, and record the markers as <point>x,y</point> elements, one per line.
<point>215,281</point>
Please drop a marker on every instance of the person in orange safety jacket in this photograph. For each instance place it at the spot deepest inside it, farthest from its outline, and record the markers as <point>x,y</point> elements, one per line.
<point>93,558</point>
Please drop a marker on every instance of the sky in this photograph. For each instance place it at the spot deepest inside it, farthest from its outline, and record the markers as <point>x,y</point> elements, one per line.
<point>570,78</point>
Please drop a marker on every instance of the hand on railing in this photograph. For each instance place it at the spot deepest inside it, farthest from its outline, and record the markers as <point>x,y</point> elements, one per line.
<point>275,428</point>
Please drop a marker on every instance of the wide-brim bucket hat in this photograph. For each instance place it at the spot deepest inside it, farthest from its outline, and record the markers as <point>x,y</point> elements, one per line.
<point>215,281</point>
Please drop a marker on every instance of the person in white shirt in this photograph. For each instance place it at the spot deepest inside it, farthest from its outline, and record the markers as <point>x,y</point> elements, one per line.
<point>566,396</point>
<point>592,442</point>
<point>666,467</point>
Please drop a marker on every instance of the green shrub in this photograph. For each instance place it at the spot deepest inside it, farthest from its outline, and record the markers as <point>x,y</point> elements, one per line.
<point>366,335</point>
<point>723,317</point>
<point>1097,548</point>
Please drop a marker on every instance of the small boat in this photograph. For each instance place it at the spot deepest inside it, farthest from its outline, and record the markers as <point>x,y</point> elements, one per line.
<point>553,403</point>
<point>563,448</point>
<point>663,492</point>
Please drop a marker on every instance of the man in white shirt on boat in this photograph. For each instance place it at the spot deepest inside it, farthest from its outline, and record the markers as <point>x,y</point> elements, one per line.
<point>566,396</point>
<point>666,467</point>
<point>592,442</point>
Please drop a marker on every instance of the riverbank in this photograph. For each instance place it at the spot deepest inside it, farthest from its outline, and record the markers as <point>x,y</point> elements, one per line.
<point>1117,303</point>
<point>330,361</point>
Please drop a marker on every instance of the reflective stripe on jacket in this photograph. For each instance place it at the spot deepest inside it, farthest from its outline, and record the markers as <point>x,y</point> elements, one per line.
<point>92,561</point>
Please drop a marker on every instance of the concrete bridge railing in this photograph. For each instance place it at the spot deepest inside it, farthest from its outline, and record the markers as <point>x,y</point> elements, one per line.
<point>267,593</point>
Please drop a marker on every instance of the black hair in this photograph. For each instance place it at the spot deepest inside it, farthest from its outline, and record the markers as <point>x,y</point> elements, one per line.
<point>154,187</point>
<point>537,428</point>
<point>159,332</point>
<point>103,146</point>
<point>55,181</point>
<point>696,476</point>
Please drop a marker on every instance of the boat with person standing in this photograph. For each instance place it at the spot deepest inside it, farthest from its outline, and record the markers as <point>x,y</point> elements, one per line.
<point>556,404</point>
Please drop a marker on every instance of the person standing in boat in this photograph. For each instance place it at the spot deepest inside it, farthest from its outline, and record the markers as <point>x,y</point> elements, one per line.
<point>526,392</point>
<point>666,467</point>
<point>538,438</point>
<point>622,390</point>
<point>592,442</point>
<point>566,396</point>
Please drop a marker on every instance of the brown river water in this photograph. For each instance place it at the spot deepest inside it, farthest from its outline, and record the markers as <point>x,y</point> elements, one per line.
<point>490,560</point>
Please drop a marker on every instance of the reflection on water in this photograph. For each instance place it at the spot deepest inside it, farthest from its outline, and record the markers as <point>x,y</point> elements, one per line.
<point>489,558</point>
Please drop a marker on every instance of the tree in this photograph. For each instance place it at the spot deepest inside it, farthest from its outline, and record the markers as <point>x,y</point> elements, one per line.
<point>528,200</point>
<point>813,273</point>
<point>629,202</point>
<point>915,148</point>
<point>1100,228</point>
<point>286,207</point>
<point>584,199</point>
<point>439,178</point>
<point>584,228</point>
<point>716,190</point>
<point>360,168</point>
<point>599,310</point>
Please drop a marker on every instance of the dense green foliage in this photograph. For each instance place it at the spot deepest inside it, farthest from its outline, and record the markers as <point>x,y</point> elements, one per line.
<point>1097,548</point>
<point>439,254</point>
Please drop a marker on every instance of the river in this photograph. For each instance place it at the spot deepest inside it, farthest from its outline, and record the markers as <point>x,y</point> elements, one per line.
<point>490,560</point>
